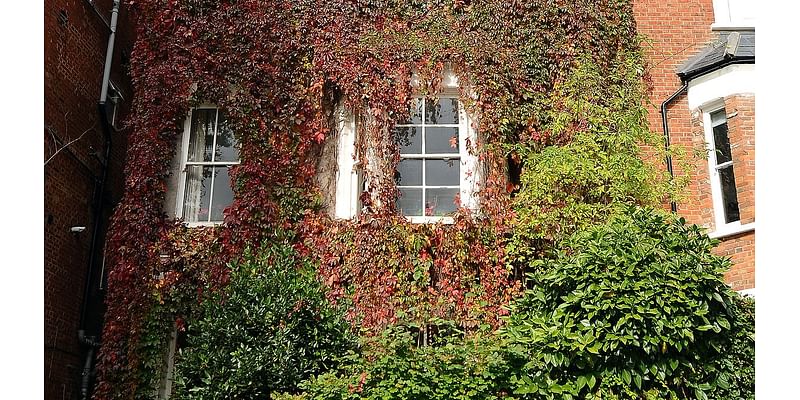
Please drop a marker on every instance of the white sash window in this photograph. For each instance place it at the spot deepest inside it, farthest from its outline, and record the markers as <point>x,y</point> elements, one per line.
<point>209,150</point>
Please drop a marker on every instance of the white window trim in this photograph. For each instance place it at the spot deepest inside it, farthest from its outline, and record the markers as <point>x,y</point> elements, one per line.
<point>347,192</point>
<point>748,292</point>
<point>721,228</point>
<point>187,126</point>
<point>732,231</point>
<point>467,139</point>
<point>725,20</point>
<point>347,178</point>
<point>467,161</point>
<point>736,79</point>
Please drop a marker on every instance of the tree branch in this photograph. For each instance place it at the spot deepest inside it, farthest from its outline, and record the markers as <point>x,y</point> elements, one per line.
<point>68,144</point>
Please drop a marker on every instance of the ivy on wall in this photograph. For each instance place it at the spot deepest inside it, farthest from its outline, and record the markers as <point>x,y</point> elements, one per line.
<point>554,85</point>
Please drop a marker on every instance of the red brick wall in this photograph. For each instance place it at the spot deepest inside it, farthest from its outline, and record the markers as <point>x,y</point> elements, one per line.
<point>740,110</point>
<point>75,47</point>
<point>678,29</point>
<point>741,132</point>
<point>741,250</point>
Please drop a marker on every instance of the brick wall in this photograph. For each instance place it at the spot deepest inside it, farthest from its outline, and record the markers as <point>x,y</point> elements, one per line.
<point>75,45</point>
<point>678,29</point>
<point>741,132</point>
<point>741,250</point>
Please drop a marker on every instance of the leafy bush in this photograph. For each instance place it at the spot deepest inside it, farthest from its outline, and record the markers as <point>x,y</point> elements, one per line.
<point>740,356</point>
<point>635,308</point>
<point>270,328</point>
<point>572,183</point>
<point>395,368</point>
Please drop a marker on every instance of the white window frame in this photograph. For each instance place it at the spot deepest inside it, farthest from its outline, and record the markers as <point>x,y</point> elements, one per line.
<point>721,228</point>
<point>349,185</point>
<point>734,14</point>
<point>184,157</point>
<point>347,177</point>
<point>467,161</point>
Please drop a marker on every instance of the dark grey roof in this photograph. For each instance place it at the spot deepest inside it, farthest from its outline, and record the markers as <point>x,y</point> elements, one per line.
<point>730,47</point>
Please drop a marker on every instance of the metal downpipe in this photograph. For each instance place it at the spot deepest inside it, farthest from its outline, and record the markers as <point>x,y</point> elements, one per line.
<point>92,341</point>
<point>665,126</point>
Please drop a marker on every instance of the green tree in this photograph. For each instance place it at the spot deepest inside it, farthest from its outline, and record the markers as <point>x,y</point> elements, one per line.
<point>270,328</point>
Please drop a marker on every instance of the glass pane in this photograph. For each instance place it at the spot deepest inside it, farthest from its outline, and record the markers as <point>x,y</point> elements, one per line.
<point>416,113</point>
<point>440,202</point>
<point>409,173</point>
<point>223,194</point>
<point>442,172</point>
<point>196,193</point>
<point>410,201</point>
<point>722,144</point>
<point>227,147</point>
<point>441,140</point>
<point>729,198</point>
<point>409,140</point>
<point>443,111</point>
<point>201,136</point>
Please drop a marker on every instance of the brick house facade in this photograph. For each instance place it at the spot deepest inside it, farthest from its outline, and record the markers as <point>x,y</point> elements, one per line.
<point>76,35</point>
<point>76,38</point>
<point>708,45</point>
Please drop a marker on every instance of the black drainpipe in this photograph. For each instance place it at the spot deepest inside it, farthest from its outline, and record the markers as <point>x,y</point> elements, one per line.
<point>92,341</point>
<point>665,125</point>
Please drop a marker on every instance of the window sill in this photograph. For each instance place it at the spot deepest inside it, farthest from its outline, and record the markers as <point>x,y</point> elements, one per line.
<point>202,224</point>
<point>731,230</point>
<point>431,220</point>
<point>729,26</point>
<point>747,292</point>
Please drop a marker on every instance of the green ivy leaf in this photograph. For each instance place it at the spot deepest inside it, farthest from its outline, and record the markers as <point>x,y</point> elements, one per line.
<point>626,377</point>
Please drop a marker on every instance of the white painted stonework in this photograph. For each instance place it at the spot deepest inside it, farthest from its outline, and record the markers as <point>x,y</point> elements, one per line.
<point>346,173</point>
<point>733,79</point>
<point>734,14</point>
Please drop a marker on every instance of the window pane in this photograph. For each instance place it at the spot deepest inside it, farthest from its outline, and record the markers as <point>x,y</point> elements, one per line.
<point>410,201</point>
<point>196,193</point>
<point>440,202</point>
<point>443,111</point>
<point>730,200</point>
<point>409,140</point>
<point>416,113</point>
<point>223,194</point>
<point>441,140</point>
<point>201,137</point>
<point>226,142</point>
<point>722,144</point>
<point>442,172</point>
<point>409,173</point>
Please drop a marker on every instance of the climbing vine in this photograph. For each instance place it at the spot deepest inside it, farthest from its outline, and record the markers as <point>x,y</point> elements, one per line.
<point>555,88</point>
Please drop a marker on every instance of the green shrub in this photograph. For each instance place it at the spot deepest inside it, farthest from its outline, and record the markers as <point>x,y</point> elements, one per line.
<point>739,358</point>
<point>570,185</point>
<point>394,367</point>
<point>635,308</point>
<point>270,328</point>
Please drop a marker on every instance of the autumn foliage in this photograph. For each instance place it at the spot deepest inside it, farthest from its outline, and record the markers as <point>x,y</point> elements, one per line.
<point>280,68</point>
